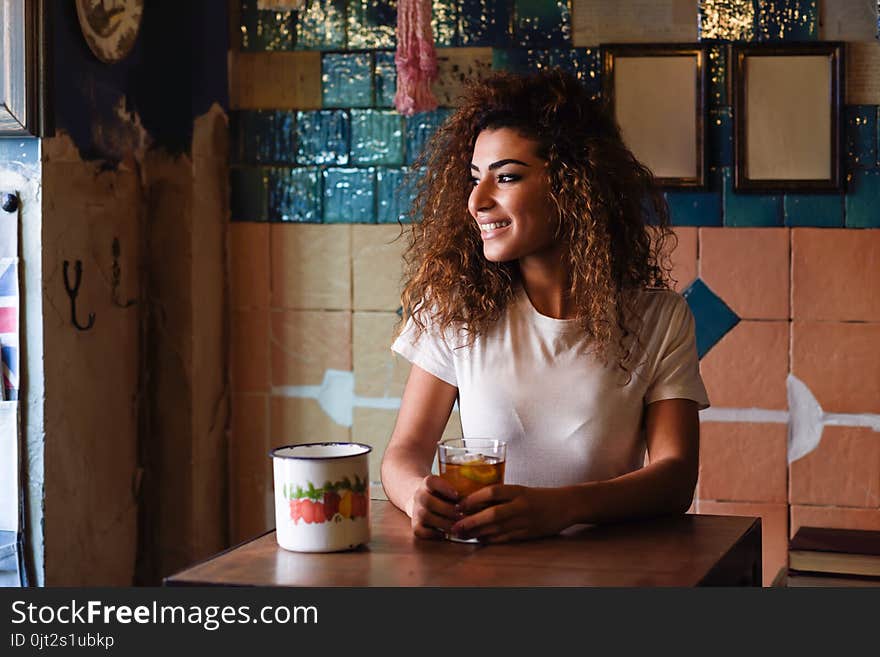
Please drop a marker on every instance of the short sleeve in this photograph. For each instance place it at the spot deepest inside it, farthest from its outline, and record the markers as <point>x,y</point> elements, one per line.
<point>428,349</point>
<point>677,373</point>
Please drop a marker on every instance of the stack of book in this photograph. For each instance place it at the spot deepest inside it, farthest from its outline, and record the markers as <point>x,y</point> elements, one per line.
<point>819,556</point>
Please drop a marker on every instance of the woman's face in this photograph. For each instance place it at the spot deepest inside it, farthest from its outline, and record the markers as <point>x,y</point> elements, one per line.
<point>510,198</point>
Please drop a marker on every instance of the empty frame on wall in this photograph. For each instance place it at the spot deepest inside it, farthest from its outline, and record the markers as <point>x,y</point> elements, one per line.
<point>658,94</point>
<point>787,102</point>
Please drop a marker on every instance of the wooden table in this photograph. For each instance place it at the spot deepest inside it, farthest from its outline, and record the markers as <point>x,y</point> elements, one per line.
<point>689,550</point>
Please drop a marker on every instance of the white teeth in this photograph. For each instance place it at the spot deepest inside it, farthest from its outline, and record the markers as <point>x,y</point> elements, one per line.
<point>493,226</point>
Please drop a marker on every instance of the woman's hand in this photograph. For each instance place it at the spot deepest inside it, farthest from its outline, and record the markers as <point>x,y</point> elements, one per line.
<point>496,514</point>
<point>433,508</point>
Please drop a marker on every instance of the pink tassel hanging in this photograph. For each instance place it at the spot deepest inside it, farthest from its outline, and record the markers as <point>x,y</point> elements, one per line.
<point>416,58</point>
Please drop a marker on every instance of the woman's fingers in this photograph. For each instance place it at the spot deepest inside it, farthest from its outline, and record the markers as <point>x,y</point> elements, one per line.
<point>492,520</point>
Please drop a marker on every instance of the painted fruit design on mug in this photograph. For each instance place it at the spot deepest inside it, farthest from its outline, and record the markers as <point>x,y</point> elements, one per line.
<point>332,502</point>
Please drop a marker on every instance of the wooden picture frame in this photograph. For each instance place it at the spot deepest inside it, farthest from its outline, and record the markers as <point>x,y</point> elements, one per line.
<point>24,80</point>
<point>787,116</point>
<point>658,95</point>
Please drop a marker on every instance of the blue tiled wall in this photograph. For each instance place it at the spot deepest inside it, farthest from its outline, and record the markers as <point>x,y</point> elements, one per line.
<point>359,129</point>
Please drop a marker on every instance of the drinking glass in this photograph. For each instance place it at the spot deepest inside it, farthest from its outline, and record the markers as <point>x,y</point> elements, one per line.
<point>469,464</point>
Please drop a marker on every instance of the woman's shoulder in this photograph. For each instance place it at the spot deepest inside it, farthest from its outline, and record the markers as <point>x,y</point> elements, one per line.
<point>660,301</point>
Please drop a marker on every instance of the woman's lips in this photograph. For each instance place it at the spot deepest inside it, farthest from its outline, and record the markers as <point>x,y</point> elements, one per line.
<point>496,229</point>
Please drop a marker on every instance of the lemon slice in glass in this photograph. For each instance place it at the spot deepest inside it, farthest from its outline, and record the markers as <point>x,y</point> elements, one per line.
<point>480,471</point>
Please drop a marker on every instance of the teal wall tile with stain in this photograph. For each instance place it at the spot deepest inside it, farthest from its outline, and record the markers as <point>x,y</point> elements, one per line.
<point>322,137</point>
<point>863,199</point>
<point>420,128</point>
<point>818,210</point>
<point>787,20</point>
<point>247,186</point>
<point>712,317</point>
<point>861,135</point>
<point>542,23</point>
<point>749,209</point>
<point>262,137</point>
<point>321,25</point>
<point>376,137</point>
<point>485,23</point>
<point>294,194</point>
<point>372,24</point>
<point>347,80</point>
<point>444,23</point>
<point>349,195</point>
<point>394,195</point>
<point>266,30</point>
<point>384,78</point>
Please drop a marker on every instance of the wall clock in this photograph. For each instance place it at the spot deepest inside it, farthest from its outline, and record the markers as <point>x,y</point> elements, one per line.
<point>110,27</point>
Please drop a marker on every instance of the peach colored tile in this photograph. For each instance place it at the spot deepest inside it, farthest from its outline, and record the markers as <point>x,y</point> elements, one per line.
<point>843,470</point>
<point>297,420</point>
<point>306,343</point>
<point>743,462</point>
<point>748,268</point>
<point>311,266</point>
<point>378,372</point>
<point>833,516</point>
<point>774,530</point>
<point>835,274</point>
<point>274,80</point>
<point>248,245</point>
<point>250,480</point>
<point>684,257</point>
<point>748,367</point>
<point>249,357</point>
<point>840,363</point>
<point>377,266</point>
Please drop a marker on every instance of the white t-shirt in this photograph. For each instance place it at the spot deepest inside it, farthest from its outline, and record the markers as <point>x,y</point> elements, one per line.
<point>532,380</point>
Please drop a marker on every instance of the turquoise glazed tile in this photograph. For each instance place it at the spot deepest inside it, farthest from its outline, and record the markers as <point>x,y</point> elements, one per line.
<point>263,137</point>
<point>749,209</point>
<point>372,24</point>
<point>712,317</point>
<point>585,63</point>
<point>347,80</point>
<point>697,207</point>
<point>721,137</point>
<point>247,186</point>
<point>861,135</point>
<point>863,199</point>
<point>514,60</point>
<point>321,25</point>
<point>485,23</point>
<point>294,194</point>
<point>719,90</point>
<point>265,30</point>
<point>376,137</point>
<point>384,78</point>
<point>821,210</point>
<point>322,137</point>
<point>394,195</point>
<point>542,23</point>
<point>349,196</point>
<point>877,120</point>
<point>732,20</point>
<point>787,20</point>
<point>419,129</point>
<point>444,23</point>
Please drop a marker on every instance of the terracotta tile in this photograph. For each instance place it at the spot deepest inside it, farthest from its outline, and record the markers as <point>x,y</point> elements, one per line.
<point>843,470</point>
<point>250,476</point>
<point>274,80</point>
<point>249,357</point>
<point>297,420</point>
<point>306,343</point>
<point>838,362</point>
<point>748,268</point>
<point>311,268</point>
<point>454,66</point>
<point>774,530</point>
<point>833,516</point>
<point>378,372</point>
<point>377,266</point>
<point>248,264</point>
<point>835,274</point>
<point>743,462</point>
<point>747,368</point>
<point>684,258</point>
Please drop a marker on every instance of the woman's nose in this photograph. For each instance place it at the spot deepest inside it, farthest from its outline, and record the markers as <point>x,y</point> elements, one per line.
<point>480,199</point>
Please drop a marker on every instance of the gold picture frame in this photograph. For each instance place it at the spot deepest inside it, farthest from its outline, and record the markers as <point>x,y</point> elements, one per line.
<point>787,116</point>
<point>658,95</point>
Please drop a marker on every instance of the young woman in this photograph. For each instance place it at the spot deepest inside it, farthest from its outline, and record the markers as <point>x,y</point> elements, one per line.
<point>536,295</point>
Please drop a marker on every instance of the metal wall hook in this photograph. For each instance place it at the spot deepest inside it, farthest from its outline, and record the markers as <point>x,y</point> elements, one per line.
<point>72,292</point>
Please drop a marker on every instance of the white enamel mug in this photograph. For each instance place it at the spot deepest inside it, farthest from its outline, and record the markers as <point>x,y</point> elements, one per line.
<point>322,496</point>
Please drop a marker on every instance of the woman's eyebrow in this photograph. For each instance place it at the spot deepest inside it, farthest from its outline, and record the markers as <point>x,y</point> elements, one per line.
<point>499,164</point>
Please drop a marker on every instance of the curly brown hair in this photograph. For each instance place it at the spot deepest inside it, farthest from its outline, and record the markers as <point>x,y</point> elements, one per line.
<point>611,215</point>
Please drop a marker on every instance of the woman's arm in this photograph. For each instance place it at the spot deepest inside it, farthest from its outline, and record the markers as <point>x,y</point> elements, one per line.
<point>665,486</point>
<point>406,466</point>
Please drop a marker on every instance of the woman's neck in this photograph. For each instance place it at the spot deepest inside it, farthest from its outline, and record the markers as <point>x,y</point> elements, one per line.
<point>546,282</point>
